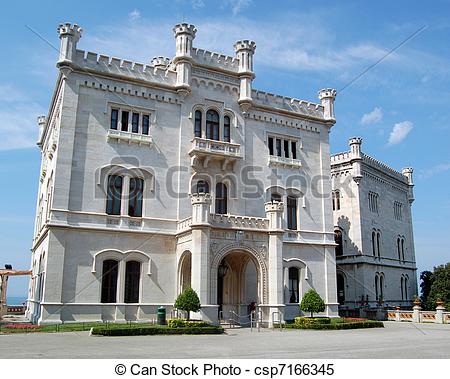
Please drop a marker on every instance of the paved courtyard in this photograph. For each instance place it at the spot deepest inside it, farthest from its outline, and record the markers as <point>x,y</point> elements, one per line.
<point>396,340</point>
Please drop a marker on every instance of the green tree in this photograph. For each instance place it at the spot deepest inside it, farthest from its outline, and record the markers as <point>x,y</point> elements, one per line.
<point>425,286</point>
<point>188,301</point>
<point>440,287</point>
<point>312,302</point>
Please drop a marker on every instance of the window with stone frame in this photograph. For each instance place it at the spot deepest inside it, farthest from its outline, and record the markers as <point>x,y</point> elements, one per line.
<point>282,146</point>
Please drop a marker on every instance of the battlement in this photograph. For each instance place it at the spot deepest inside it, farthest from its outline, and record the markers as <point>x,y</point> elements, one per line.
<point>287,103</point>
<point>160,61</point>
<point>355,141</point>
<point>327,93</point>
<point>215,60</point>
<point>340,157</point>
<point>245,45</point>
<point>71,29</point>
<point>375,163</point>
<point>134,70</point>
<point>185,28</point>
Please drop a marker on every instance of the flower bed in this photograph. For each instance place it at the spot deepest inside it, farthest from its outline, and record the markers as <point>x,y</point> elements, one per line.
<point>183,323</point>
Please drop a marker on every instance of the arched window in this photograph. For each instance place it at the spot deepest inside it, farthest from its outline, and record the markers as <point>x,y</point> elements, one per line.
<point>202,186</point>
<point>275,197</point>
<point>338,240</point>
<point>114,195</point>
<point>398,249</point>
<point>292,212</point>
<point>198,124</point>
<point>378,244</point>
<point>109,281</point>
<point>136,196</point>
<point>212,125</point>
<point>381,287</point>
<point>293,284</point>
<point>336,195</point>
<point>374,251</point>
<point>226,129</point>
<point>221,198</point>
<point>402,288</point>
<point>377,293</point>
<point>132,280</point>
<point>405,283</point>
<point>403,248</point>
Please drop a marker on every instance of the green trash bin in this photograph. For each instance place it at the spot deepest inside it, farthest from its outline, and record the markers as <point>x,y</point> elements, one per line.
<point>161,316</point>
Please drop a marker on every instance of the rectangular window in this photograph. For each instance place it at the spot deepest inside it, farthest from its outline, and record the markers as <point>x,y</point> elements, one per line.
<point>124,120</point>
<point>292,213</point>
<point>294,149</point>
<point>135,123</point>
<point>286,148</point>
<point>109,281</point>
<point>145,124</point>
<point>293,285</point>
<point>114,118</point>
<point>278,147</point>
<point>136,195</point>
<point>114,195</point>
<point>271,145</point>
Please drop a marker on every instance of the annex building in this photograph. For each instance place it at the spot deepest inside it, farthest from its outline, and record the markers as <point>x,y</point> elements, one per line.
<point>174,173</point>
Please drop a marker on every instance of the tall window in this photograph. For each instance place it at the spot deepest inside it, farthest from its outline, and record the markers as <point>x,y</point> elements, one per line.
<point>398,213</point>
<point>336,197</point>
<point>379,244</point>
<point>145,123</point>
<point>114,195</point>
<point>338,240</point>
<point>377,293</point>
<point>198,124</point>
<point>271,145</point>
<point>294,149</point>
<point>374,251</point>
<point>292,212</point>
<point>293,285</point>
<point>125,116</point>
<point>109,281</point>
<point>405,289</point>
<point>286,148</point>
<point>278,147</point>
<point>373,202</point>
<point>212,125</point>
<point>135,199</point>
<point>135,123</point>
<point>402,242</point>
<point>226,129</point>
<point>398,249</point>
<point>132,279</point>
<point>221,198</point>
<point>202,186</point>
<point>381,287</point>
<point>114,118</point>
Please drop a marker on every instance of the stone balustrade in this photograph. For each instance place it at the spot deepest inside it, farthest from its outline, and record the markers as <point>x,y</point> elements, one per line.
<point>417,315</point>
<point>238,222</point>
<point>216,147</point>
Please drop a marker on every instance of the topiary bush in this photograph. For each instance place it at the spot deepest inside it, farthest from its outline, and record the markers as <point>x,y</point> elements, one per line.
<point>188,301</point>
<point>306,322</point>
<point>312,302</point>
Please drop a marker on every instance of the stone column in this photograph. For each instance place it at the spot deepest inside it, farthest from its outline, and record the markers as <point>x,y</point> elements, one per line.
<point>416,311</point>
<point>201,262</point>
<point>440,309</point>
<point>397,314</point>
<point>3,288</point>
<point>274,212</point>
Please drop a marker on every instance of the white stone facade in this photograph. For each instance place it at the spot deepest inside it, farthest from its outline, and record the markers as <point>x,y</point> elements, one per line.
<point>372,212</point>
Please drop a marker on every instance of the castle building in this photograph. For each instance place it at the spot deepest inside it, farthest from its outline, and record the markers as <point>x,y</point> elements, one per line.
<point>375,257</point>
<point>174,173</point>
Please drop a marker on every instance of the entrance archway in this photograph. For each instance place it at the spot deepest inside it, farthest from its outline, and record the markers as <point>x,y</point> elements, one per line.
<point>185,271</point>
<point>238,283</point>
<point>340,288</point>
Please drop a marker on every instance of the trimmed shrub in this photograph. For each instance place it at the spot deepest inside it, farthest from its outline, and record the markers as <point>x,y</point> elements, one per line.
<point>183,323</point>
<point>312,302</point>
<point>306,322</point>
<point>343,325</point>
<point>188,301</point>
<point>155,330</point>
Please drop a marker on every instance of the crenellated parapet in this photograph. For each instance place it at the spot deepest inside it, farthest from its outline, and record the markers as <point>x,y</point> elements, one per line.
<point>215,60</point>
<point>69,34</point>
<point>274,212</point>
<point>160,62</point>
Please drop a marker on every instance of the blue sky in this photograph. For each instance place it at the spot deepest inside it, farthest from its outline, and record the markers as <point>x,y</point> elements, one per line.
<point>400,107</point>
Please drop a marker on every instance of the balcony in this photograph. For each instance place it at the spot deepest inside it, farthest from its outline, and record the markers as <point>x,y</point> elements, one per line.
<point>238,222</point>
<point>284,162</point>
<point>204,151</point>
<point>127,137</point>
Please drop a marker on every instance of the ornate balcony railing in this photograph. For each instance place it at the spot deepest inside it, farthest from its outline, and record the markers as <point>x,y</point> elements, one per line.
<point>204,145</point>
<point>121,136</point>
<point>238,222</point>
<point>284,162</point>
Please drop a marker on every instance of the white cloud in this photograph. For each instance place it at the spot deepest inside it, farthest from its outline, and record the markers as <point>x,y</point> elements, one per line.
<point>238,5</point>
<point>134,15</point>
<point>372,117</point>
<point>443,167</point>
<point>399,132</point>
<point>18,113</point>
<point>196,4</point>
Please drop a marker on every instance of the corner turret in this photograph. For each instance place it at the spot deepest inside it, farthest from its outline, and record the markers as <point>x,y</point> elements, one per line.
<point>408,171</point>
<point>69,34</point>
<point>327,97</point>
<point>244,53</point>
<point>184,36</point>
<point>356,157</point>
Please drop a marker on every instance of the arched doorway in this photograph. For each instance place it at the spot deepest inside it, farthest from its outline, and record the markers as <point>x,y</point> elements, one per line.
<point>185,271</point>
<point>340,288</point>
<point>238,281</point>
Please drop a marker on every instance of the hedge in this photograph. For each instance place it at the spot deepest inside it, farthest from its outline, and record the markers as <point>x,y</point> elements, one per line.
<point>337,326</point>
<point>183,323</point>
<point>154,330</point>
<point>306,322</point>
